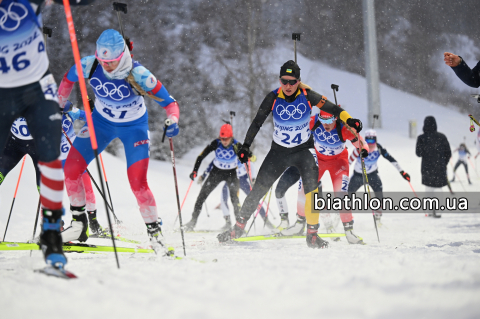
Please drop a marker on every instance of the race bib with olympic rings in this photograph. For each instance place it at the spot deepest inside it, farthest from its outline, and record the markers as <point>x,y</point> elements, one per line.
<point>327,143</point>
<point>371,162</point>
<point>23,58</point>
<point>115,99</point>
<point>291,121</point>
<point>225,158</point>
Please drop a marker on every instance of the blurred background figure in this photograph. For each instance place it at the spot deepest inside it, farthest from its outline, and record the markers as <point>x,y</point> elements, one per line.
<point>463,152</point>
<point>434,149</point>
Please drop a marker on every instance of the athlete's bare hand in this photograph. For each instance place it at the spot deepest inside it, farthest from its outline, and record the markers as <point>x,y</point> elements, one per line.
<point>451,59</point>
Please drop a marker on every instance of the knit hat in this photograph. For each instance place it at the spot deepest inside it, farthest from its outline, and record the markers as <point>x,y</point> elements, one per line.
<point>290,68</point>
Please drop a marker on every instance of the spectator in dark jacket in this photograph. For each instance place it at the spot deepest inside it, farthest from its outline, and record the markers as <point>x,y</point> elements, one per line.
<point>434,149</point>
<point>470,77</point>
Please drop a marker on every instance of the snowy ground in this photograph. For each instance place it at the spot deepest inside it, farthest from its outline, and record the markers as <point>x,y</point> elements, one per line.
<point>423,267</point>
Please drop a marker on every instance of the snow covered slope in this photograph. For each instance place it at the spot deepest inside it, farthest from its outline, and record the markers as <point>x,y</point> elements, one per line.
<point>423,267</point>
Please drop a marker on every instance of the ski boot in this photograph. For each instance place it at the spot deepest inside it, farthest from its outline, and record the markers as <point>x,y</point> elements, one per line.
<point>313,240</point>
<point>436,214</point>
<point>351,237</point>
<point>78,229</point>
<point>284,222</point>
<point>236,232</point>
<point>51,238</point>
<point>156,239</point>
<point>228,224</point>
<point>297,229</point>
<point>378,215</point>
<point>190,225</point>
<point>95,228</point>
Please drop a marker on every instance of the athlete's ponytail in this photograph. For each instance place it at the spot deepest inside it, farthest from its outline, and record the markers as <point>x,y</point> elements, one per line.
<point>131,80</point>
<point>304,86</point>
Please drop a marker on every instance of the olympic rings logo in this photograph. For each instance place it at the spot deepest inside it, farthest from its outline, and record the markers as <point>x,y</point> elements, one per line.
<point>372,156</point>
<point>66,125</point>
<point>323,135</point>
<point>291,111</point>
<point>12,15</point>
<point>110,89</point>
<point>224,154</point>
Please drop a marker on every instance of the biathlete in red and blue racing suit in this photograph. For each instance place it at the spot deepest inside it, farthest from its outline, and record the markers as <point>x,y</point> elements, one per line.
<point>332,155</point>
<point>120,112</point>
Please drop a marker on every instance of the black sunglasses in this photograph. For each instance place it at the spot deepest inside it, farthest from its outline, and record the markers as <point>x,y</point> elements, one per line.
<point>291,82</point>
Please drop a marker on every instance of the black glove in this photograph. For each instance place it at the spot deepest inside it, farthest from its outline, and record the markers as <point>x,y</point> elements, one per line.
<point>193,175</point>
<point>364,153</point>
<point>356,124</point>
<point>244,153</point>
<point>405,175</point>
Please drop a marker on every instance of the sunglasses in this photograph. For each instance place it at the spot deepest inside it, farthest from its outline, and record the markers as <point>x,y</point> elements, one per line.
<point>370,140</point>
<point>108,61</point>
<point>291,82</point>
<point>327,121</point>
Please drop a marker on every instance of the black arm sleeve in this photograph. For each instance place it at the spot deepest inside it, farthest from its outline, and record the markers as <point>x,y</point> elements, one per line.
<point>210,148</point>
<point>470,77</point>
<point>386,154</point>
<point>419,146</point>
<point>448,150</point>
<point>328,107</point>
<point>263,112</point>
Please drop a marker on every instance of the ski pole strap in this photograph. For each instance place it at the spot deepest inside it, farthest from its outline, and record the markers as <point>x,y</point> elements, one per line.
<point>92,70</point>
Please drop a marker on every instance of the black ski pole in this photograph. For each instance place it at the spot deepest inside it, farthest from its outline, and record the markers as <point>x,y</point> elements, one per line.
<point>14,196</point>
<point>120,7</point>
<point>258,211</point>
<point>117,221</point>
<point>47,32</point>
<point>36,222</point>
<point>375,117</point>
<point>335,88</point>
<point>169,122</point>
<point>232,115</point>
<point>295,37</point>
<point>268,206</point>
<point>365,176</point>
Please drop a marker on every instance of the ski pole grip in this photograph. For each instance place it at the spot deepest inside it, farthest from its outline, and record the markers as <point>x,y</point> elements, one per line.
<point>168,122</point>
